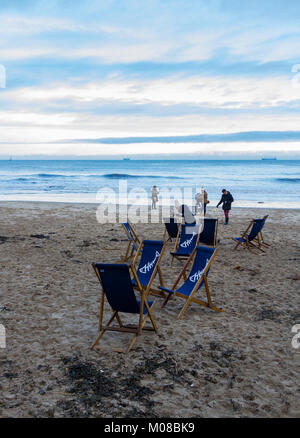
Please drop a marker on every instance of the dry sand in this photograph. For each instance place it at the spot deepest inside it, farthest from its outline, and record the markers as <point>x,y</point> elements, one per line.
<point>239,363</point>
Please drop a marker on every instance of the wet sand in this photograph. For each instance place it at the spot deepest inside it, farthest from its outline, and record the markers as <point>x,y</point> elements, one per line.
<point>239,363</point>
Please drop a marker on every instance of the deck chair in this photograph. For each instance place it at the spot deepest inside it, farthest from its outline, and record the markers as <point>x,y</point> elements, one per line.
<point>171,228</point>
<point>202,258</point>
<point>118,289</point>
<point>251,239</point>
<point>208,235</point>
<point>150,253</point>
<point>186,241</point>
<point>133,243</point>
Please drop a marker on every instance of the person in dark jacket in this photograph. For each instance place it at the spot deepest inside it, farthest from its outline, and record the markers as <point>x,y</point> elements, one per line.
<point>226,200</point>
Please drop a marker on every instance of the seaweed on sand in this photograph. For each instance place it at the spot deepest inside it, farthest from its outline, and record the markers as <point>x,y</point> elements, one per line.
<point>98,390</point>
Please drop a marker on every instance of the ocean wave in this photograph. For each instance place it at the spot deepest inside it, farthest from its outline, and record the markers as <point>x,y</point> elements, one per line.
<point>53,175</point>
<point>40,175</point>
<point>127,176</point>
<point>22,180</point>
<point>106,175</point>
<point>288,180</point>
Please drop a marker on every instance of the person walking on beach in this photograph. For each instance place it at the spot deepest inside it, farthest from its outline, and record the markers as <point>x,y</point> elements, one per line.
<point>155,193</point>
<point>226,200</point>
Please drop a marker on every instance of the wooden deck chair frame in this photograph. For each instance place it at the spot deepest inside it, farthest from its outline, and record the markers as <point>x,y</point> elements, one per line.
<point>135,329</point>
<point>261,239</point>
<point>254,245</point>
<point>133,243</point>
<point>190,299</point>
<point>149,289</point>
<point>177,241</point>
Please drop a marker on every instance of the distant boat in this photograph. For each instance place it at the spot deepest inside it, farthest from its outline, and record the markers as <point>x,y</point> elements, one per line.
<point>126,159</point>
<point>10,159</point>
<point>269,159</point>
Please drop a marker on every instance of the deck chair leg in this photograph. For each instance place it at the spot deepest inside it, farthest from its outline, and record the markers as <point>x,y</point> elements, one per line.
<point>166,300</point>
<point>103,331</point>
<point>127,251</point>
<point>101,311</point>
<point>131,344</point>
<point>161,281</point>
<point>119,320</point>
<point>239,243</point>
<point>150,316</point>
<point>210,304</point>
<point>207,291</point>
<point>188,301</point>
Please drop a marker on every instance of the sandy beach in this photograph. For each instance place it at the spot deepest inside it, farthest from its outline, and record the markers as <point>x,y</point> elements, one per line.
<point>239,363</point>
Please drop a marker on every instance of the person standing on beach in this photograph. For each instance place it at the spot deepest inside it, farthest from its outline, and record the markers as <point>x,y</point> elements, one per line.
<point>205,200</point>
<point>155,193</point>
<point>226,200</point>
<point>198,199</point>
<point>201,200</point>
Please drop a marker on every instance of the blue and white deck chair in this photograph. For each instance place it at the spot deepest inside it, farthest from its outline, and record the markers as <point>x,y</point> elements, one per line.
<point>252,239</point>
<point>150,253</point>
<point>118,289</point>
<point>134,242</point>
<point>186,241</point>
<point>209,234</point>
<point>171,228</point>
<point>202,258</point>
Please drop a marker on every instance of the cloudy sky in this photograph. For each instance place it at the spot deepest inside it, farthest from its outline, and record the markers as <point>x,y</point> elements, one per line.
<point>196,76</point>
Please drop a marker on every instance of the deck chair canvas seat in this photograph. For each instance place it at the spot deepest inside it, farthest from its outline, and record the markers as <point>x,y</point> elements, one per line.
<point>208,235</point>
<point>117,288</point>
<point>201,261</point>
<point>252,239</point>
<point>150,253</point>
<point>171,229</point>
<point>186,241</point>
<point>133,243</point>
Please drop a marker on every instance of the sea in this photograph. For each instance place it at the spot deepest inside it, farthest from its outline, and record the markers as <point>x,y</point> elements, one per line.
<point>253,183</point>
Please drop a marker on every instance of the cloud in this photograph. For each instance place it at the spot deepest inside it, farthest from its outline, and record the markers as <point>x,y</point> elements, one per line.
<point>198,91</point>
<point>172,67</point>
<point>236,137</point>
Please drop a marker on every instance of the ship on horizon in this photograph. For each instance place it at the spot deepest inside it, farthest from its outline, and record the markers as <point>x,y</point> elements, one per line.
<point>269,159</point>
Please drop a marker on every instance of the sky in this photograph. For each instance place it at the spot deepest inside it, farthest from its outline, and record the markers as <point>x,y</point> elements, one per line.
<point>158,77</point>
